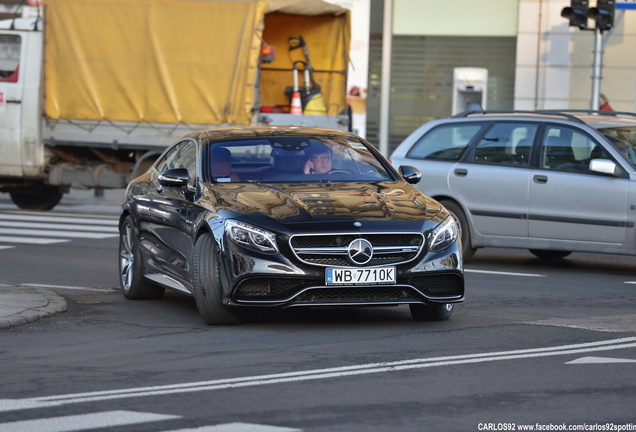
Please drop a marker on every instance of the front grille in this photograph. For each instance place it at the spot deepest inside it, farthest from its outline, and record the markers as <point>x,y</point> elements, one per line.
<point>332,249</point>
<point>359,295</point>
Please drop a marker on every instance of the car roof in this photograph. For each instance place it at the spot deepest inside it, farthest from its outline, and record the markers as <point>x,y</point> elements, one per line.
<point>234,132</point>
<point>594,119</point>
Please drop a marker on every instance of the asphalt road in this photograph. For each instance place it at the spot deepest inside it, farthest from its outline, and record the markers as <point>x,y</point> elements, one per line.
<point>552,345</point>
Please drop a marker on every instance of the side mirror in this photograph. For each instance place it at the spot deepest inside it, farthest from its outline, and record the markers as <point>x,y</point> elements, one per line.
<point>177,177</point>
<point>411,174</point>
<point>603,166</point>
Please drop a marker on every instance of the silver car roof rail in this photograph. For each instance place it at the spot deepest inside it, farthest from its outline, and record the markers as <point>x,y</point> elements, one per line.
<point>595,112</point>
<point>538,112</point>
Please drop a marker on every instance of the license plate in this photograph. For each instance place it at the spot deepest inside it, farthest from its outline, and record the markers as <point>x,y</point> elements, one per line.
<point>360,276</point>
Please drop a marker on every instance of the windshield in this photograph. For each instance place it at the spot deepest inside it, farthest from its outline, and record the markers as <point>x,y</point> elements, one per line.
<point>291,159</point>
<point>623,140</point>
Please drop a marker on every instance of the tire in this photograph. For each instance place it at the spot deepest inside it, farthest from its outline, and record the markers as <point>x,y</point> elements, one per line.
<point>206,285</point>
<point>432,311</point>
<point>464,229</point>
<point>131,270</point>
<point>549,254</point>
<point>40,197</point>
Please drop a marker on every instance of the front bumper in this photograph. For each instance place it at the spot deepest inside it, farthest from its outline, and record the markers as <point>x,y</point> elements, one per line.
<point>282,280</point>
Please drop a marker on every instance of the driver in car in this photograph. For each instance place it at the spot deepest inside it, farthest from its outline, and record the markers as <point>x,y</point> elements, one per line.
<point>319,161</point>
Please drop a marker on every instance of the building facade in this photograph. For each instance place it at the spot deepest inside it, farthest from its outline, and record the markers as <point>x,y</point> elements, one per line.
<point>534,59</point>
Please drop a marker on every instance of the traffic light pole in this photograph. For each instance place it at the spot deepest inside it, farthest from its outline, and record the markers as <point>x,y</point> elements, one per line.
<point>597,70</point>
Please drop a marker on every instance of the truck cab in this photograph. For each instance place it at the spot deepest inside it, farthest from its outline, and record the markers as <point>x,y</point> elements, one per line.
<point>21,154</point>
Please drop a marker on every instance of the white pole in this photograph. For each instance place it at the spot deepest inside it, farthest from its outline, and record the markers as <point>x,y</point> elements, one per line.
<point>385,82</point>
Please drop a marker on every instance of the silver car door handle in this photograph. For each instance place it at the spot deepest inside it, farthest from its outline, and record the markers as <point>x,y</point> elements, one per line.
<point>541,179</point>
<point>14,101</point>
<point>461,172</point>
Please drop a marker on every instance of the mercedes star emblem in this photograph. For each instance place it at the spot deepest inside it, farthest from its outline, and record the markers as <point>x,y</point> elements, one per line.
<point>360,251</point>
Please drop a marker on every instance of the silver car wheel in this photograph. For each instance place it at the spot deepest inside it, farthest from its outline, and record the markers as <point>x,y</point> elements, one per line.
<point>126,257</point>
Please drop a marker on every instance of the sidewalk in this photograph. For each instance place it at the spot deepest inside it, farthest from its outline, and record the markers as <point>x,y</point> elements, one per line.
<point>23,305</point>
<point>20,305</point>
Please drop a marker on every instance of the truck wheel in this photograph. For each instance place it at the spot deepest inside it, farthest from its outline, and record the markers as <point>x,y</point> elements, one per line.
<point>38,198</point>
<point>206,286</point>
<point>432,311</point>
<point>131,271</point>
<point>464,230</point>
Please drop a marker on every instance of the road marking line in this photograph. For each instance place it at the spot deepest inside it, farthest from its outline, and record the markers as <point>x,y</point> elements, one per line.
<point>56,226</point>
<point>69,287</point>
<point>597,360</point>
<point>107,419</point>
<point>69,219</point>
<point>7,247</point>
<point>504,273</point>
<point>238,427</point>
<point>30,240</point>
<point>315,374</point>
<point>70,234</point>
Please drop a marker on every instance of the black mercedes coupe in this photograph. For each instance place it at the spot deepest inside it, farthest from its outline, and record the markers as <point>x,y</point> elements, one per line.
<point>278,217</point>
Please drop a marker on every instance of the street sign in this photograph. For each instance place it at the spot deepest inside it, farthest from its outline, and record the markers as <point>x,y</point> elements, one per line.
<point>626,4</point>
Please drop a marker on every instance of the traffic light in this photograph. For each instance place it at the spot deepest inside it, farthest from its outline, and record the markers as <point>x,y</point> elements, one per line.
<point>603,14</point>
<point>577,13</point>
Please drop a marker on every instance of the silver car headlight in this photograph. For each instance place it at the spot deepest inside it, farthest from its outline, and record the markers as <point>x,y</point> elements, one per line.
<point>444,235</point>
<point>251,237</point>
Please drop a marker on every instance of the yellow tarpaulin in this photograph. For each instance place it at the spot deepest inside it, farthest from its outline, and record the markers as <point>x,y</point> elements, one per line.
<point>167,61</point>
<point>185,61</point>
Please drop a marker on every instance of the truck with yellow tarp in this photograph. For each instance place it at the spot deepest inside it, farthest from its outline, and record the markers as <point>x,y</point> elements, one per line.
<point>91,91</point>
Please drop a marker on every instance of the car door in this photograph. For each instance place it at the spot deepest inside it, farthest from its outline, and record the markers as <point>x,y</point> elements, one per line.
<point>492,183</point>
<point>166,213</point>
<point>569,202</point>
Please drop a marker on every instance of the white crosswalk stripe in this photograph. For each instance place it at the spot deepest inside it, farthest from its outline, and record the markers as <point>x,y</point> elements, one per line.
<point>22,228</point>
<point>27,216</point>
<point>55,226</point>
<point>80,422</point>
<point>111,419</point>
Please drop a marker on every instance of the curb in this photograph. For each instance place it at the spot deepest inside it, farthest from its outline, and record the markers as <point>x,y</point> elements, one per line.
<point>53,304</point>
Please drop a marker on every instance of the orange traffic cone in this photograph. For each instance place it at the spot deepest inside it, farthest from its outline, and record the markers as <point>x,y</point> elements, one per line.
<point>296,107</point>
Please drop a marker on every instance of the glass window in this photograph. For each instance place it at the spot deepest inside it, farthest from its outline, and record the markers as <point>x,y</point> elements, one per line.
<point>506,143</point>
<point>445,142</point>
<point>182,155</point>
<point>623,140</point>
<point>567,149</point>
<point>288,159</point>
<point>9,57</point>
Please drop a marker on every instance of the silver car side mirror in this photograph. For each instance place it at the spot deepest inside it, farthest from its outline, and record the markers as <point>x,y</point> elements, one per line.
<point>603,166</point>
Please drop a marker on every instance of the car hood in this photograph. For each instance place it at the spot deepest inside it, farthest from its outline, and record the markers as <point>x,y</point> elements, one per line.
<point>398,201</point>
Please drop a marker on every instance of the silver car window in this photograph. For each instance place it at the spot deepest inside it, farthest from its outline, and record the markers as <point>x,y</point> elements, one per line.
<point>506,143</point>
<point>445,142</point>
<point>568,149</point>
<point>624,140</point>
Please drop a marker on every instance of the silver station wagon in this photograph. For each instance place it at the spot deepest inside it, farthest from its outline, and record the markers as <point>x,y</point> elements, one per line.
<point>551,182</point>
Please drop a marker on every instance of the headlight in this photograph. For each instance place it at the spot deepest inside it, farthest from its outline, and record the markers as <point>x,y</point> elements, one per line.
<point>251,237</point>
<point>444,235</point>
